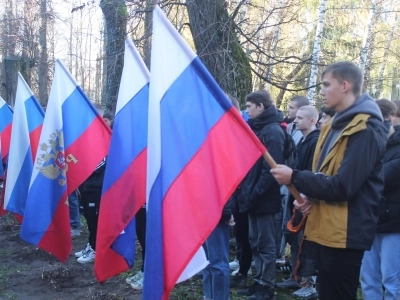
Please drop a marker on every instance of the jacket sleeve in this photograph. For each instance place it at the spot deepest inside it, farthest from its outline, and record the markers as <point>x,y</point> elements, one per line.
<point>274,142</point>
<point>392,174</point>
<point>363,152</point>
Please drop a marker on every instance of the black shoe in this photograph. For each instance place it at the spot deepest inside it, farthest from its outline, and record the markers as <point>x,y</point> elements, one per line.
<point>237,280</point>
<point>283,268</point>
<point>265,294</point>
<point>254,288</point>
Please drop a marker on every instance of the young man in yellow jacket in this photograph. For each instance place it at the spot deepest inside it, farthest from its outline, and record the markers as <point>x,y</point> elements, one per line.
<point>344,188</point>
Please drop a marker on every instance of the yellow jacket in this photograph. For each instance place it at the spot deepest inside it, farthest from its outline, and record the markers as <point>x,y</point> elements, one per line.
<point>351,197</point>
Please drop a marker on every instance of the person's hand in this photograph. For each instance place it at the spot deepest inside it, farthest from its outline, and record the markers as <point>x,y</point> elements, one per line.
<point>305,207</point>
<point>282,174</point>
<point>231,222</point>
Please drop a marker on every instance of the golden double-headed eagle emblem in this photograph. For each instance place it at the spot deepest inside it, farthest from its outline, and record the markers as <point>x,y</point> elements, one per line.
<point>51,163</point>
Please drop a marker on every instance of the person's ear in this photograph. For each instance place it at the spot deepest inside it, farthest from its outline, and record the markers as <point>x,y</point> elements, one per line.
<point>346,86</point>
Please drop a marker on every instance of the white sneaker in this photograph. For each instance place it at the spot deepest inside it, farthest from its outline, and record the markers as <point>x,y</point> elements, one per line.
<point>136,277</point>
<point>234,265</point>
<point>83,251</point>
<point>87,257</point>
<point>307,291</point>
<point>237,271</point>
<point>138,285</point>
<point>288,283</point>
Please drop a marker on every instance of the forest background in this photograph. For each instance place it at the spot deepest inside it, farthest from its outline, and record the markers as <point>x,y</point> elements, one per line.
<point>278,45</point>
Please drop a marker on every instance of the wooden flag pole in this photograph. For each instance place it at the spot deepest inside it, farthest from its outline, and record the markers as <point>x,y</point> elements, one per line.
<point>293,228</point>
<point>290,187</point>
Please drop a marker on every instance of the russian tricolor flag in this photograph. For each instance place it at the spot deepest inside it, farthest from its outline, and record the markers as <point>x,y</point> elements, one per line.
<point>124,189</point>
<point>199,149</point>
<point>25,134</point>
<point>6,118</point>
<point>1,172</point>
<point>73,141</point>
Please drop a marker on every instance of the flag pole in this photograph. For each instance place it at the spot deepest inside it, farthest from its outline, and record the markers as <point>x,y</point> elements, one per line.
<point>290,186</point>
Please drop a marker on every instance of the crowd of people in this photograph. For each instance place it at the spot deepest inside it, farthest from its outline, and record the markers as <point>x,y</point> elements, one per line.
<point>345,228</point>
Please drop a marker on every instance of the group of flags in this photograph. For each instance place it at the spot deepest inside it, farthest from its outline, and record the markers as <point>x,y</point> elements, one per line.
<point>178,145</point>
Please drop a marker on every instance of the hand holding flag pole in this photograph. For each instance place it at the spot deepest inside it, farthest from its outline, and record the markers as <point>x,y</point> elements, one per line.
<point>291,225</point>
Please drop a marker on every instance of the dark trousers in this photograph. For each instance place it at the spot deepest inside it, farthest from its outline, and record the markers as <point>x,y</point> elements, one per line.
<point>91,205</point>
<point>242,238</point>
<point>140,219</point>
<point>338,272</point>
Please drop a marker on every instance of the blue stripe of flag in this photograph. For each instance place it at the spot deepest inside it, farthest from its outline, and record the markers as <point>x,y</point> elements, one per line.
<point>43,209</point>
<point>77,116</point>
<point>6,117</point>
<point>188,99</point>
<point>34,112</point>
<point>122,136</point>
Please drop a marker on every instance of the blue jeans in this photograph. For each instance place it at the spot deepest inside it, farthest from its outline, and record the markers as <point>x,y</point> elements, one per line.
<point>216,276</point>
<point>381,267</point>
<point>74,216</point>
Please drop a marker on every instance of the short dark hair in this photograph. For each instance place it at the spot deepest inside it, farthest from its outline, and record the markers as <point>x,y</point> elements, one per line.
<point>300,101</point>
<point>346,71</point>
<point>388,108</point>
<point>260,97</point>
<point>327,111</point>
<point>397,103</point>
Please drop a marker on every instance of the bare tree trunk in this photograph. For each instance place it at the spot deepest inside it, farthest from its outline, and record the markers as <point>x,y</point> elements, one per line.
<point>148,21</point>
<point>218,46</point>
<point>115,14</point>
<point>385,56</point>
<point>43,64</point>
<point>11,66</point>
<point>98,79</point>
<point>367,37</point>
<point>28,42</point>
<point>316,51</point>
<point>395,93</point>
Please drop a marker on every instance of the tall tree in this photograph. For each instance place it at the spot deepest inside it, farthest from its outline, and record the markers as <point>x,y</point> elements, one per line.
<point>365,52</point>
<point>43,64</point>
<point>385,57</point>
<point>218,47</point>
<point>115,15</point>
<point>316,51</point>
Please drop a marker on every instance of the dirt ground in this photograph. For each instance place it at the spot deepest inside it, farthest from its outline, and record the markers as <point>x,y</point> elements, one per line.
<point>27,272</point>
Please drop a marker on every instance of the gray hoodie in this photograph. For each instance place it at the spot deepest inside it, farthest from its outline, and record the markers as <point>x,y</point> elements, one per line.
<point>363,105</point>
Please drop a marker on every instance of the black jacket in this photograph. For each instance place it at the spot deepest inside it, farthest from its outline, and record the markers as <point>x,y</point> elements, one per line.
<point>305,156</point>
<point>306,149</point>
<point>348,182</point>
<point>94,183</point>
<point>259,191</point>
<point>389,221</point>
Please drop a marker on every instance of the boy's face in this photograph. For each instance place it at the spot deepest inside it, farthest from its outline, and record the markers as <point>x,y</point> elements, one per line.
<point>331,91</point>
<point>292,110</point>
<point>324,119</point>
<point>254,110</point>
<point>302,121</point>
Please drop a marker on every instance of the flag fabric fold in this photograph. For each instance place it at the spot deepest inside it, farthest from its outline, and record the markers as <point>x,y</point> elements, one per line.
<point>25,134</point>
<point>124,189</point>
<point>199,149</point>
<point>6,117</point>
<point>73,141</point>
